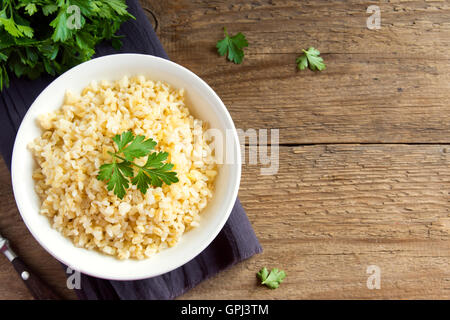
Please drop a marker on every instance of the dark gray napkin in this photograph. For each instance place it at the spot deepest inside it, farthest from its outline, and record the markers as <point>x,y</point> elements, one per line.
<point>236,242</point>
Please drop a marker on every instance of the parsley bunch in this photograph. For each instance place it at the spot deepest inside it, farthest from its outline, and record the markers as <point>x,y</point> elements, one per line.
<point>38,36</point>
<point>154,172</point>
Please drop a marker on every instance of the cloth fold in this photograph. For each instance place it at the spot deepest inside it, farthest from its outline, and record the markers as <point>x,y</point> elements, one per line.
<point>237,240</point>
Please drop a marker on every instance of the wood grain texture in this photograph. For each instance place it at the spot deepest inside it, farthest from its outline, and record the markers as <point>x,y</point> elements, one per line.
<point>39,289</point>
<point>387,85</point>
<point>336,205</point>
<point>331,211</point>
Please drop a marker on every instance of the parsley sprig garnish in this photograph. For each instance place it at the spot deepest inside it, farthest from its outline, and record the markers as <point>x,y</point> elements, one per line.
<point>311,58</point>
<point>233,45</point>
<point>120,172</point>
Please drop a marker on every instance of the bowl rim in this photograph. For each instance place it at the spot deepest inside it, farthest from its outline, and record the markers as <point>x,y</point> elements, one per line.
<point>20,198</point>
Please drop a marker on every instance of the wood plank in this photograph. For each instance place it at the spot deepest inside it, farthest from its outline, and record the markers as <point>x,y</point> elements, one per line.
<point>326,215</point>
<point>384,86</point>
<point>331,211</point>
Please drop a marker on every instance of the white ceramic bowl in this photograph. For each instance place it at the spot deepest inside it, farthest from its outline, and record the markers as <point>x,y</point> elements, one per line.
<point>203,103</point>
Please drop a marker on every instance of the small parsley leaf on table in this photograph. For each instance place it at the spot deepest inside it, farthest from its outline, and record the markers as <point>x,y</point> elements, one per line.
<point>311,58</point>
<point>271,279</point>
<point>154,173</point>
<point>233,45</point>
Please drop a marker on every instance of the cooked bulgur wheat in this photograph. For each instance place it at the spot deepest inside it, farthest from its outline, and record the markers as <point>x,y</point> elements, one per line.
<point>75,142</point>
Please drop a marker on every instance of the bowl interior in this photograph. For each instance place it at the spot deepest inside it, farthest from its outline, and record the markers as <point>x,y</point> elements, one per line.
<point>203,103</point>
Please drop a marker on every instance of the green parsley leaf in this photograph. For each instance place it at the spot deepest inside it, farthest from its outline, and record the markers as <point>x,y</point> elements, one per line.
<point>62,32</point>
<point>10,27</point>
<point>139,147</point>
<point>26,30</point>
<point>161,174</point>
<point>118,6</point>
<point>302,62</point>
<point>155,159</point>
<point>125,168</point>
<point>141,181</point>
<point>311,58</point>
<point>233,45</point>
<point>154,173</point>
<point>272,279</point>
<point>49,9</point>
<point>31,8</point>
<point>123,140</point>
<point>114,174</point>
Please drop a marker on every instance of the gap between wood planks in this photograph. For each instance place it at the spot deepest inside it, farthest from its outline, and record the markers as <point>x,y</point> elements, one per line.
<point>293,144</point>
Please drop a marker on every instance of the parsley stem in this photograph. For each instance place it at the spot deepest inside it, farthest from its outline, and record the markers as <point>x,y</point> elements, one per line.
<point>121,158</point>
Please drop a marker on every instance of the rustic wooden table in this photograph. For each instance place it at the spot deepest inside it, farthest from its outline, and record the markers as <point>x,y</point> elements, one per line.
<point>364,173</point>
